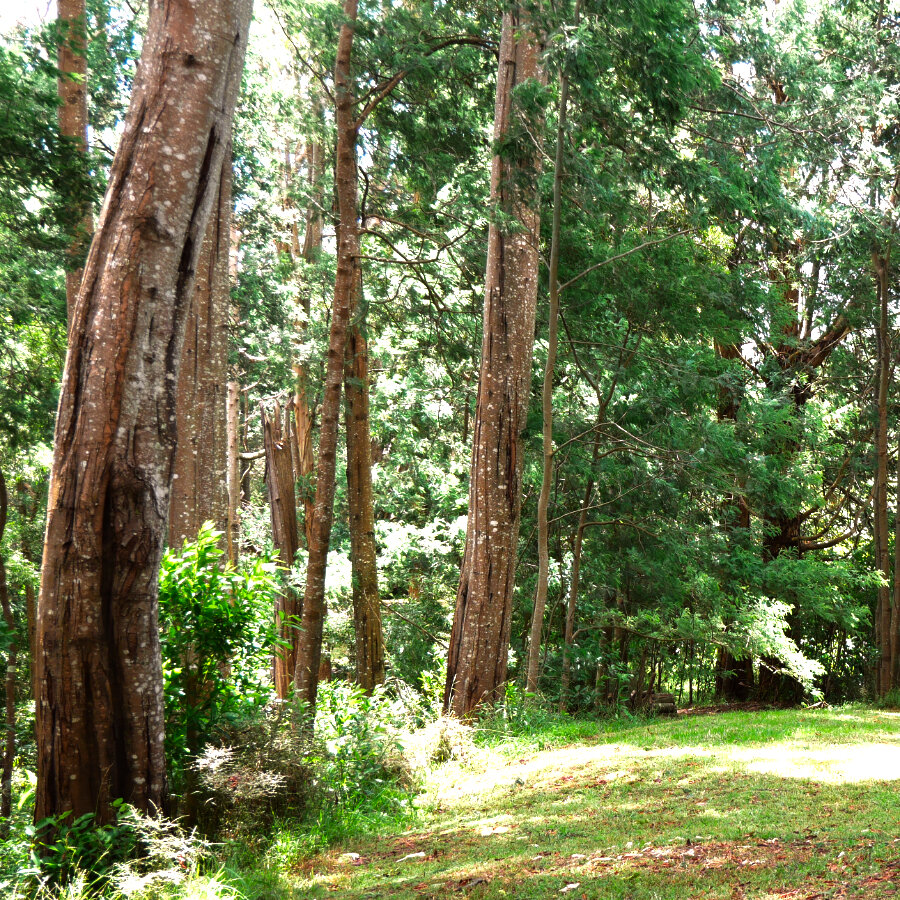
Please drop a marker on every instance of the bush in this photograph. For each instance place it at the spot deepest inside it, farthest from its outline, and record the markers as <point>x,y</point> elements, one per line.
<point>262,773</point>
<point>439,741</point>
<point>217,640</point>
<point>82,858</point>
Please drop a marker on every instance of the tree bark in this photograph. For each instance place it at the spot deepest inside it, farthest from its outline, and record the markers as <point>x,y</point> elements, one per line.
<point>309,650</point>
<point>99,710</point>
<point>540,599</point>
<point>479,641</point>
<point>73,123</point>
<point>199,491</point>
<point>283,512</point>
<point>361,507</point>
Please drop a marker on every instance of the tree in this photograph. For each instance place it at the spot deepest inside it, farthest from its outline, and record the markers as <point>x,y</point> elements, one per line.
<point>73,122</point>
<point>479,641</point>
<point>100,721</point>
<point>309,650</point>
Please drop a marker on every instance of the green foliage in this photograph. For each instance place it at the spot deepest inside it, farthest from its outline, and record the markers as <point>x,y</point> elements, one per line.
<point>217,639</point>
<point>362,760</point>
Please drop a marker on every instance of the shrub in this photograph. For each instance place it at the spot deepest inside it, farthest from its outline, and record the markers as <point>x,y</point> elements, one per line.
<point>217,639</point>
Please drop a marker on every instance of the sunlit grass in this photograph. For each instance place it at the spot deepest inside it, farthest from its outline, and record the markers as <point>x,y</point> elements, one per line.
<point>759,805</point>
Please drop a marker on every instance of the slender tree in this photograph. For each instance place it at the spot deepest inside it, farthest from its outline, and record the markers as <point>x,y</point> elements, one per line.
<point>99,680</point>
<point>479,641</point>
<point>361,509</point>
<point>309,650</point>
<point>540,600</point>
<point>283,514</point>
<point>73,121</point>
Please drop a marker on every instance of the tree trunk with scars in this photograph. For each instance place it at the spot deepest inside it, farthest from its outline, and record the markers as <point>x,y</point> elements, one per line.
<point>479,641</point>
<point>100,724</point>
<point>309,650</point>
<point>199,492</point>
<point>73,122</point>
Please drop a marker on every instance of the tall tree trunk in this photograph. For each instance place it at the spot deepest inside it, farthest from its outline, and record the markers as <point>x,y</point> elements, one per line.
<point>100,704</point>
<point>479,641</point>
<point>9,742</point>
<point>309,650</point>
<point>882,537</point>
<point>303,412</point>
<point>73,123</point>
<point>283,513</point>
<point>540,599</point>
<point>199,492</point>
<point>233,471</point>
<point>361,507</point>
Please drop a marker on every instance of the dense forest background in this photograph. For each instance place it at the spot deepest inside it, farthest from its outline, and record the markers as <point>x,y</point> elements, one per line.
<point>693,488</point>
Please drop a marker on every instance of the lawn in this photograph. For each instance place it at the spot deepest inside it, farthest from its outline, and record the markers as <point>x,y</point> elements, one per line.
<point>772,804</point>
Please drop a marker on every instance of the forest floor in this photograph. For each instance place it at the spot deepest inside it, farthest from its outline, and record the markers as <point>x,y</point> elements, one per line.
<point>769,805</point>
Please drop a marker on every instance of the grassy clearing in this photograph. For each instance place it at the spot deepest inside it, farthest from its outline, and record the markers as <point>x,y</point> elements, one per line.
<point>777,804</point>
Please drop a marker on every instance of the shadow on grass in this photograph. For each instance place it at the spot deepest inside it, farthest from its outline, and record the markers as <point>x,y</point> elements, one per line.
<point>665,820</point>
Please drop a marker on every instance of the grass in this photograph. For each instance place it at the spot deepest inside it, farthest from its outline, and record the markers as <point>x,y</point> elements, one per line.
<point>765,805</point>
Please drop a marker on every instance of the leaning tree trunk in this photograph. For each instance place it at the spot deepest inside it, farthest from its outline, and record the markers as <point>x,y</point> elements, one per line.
<point>99,707</point>
<point>361,508</point>
<point>309,650</point>
<point>479,641</point>
<point>199,491</point>
<point>73,124</point>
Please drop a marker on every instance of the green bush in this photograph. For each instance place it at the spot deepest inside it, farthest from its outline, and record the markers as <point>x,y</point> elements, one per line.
<point>217,638</point>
